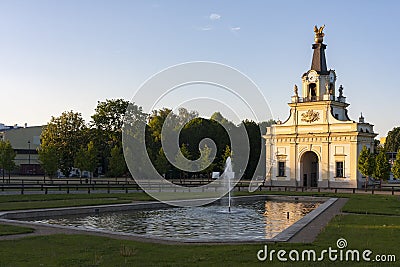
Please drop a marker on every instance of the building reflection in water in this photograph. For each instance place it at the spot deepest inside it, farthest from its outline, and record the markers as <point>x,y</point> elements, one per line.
<point>276,215</point>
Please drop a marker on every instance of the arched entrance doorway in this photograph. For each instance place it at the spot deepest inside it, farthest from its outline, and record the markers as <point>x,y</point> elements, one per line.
<point>309,169</point>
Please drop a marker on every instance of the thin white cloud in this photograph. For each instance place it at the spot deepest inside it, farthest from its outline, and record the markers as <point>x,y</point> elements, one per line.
<point>206,28</point>
<point>215,16</point>
<point>235,29</point>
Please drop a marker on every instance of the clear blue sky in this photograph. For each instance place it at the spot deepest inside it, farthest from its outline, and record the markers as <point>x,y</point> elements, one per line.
<point>67,55</point>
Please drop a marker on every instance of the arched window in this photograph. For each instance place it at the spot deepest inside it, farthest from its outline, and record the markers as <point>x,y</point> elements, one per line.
<point>312,91</point>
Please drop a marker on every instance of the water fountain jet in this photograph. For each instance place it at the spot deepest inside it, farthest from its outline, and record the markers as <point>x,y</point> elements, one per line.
<point>228,175</point>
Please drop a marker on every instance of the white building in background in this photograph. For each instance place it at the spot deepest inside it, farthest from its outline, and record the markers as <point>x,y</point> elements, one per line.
<point>4,127</point>
<point>25,141</point>
<point>318,145</point>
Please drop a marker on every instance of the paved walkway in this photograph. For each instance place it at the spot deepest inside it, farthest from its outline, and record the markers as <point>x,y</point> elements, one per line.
<point>310,232</point>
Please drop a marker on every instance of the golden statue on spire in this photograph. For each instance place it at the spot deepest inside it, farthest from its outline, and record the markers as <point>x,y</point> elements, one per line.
<point>319,35</point>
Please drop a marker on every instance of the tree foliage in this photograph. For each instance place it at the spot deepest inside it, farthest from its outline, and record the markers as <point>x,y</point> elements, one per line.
<point>182,160</point>
<point>117,164</point>
<point>396,166</point>
<point>86,158</point>
<point>109,115</point>
<point>153,132</point>
<point>227,153</point>
<point>199,129</point>
<point>217,116</point>
<point>392,142</point>
<point>161,162</point>
<point>195,131</point>
<point>64,134</point>
<point>382,166</point>
<point>107,122</point>
<point>156,123</point>
<point>7,156</point>
<point>256,146</point>
<point>206,164</point>
<point>366,162</point>
<point>48,159</point>
<point>185,115</point>
<point>67,139</point>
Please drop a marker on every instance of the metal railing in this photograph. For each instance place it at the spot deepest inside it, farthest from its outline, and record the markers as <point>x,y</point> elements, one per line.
<point>22,187</point>
<point>317,98</point>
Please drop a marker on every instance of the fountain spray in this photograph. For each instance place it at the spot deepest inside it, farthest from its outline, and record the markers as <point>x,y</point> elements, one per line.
<point>228,174</point>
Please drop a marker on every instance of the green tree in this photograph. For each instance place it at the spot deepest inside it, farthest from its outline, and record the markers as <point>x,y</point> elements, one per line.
<point>48,159</point>
<point>366,164</point>
<point>161,163</point>
<point>117,165</point>
<point>157,120</point>
<point>86,158</point>
<point>182,162</point>
<point>109,115</point>
<point>107,122</point>
<point>382,167</point>
<point>7,156</point>
<point>396,166</point>
<point>153,132</point>
<point>199,129</point>
<point>255,142</point>
<point>186,116</point>
<point>206,164</point>
<point>227,153</point>
<point>217,116</point>
<point>392,143</point>
<point>65,134</point>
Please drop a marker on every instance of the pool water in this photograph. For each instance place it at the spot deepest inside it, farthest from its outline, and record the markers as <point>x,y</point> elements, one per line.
<point>258,220</point>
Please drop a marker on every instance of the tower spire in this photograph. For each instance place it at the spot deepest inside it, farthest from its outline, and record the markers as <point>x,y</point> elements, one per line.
<point>318,60</point>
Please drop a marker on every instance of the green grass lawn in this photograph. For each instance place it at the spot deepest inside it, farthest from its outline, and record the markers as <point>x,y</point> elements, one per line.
<point>363,226</point>
<point>18,202</point>
<point>378,204</point>
<point>13,230</point>
<point>361,232</point>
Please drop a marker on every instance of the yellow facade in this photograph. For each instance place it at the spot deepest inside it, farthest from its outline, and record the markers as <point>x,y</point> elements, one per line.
<point>318,145</point>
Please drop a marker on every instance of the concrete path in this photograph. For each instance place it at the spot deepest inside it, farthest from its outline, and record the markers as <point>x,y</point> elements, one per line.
<point>310,232</point>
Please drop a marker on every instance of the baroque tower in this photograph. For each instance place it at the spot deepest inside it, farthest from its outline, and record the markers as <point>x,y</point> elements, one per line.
<point>318,145</point>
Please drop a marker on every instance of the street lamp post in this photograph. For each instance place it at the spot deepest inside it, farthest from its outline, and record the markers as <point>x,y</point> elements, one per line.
<point>29,156</point>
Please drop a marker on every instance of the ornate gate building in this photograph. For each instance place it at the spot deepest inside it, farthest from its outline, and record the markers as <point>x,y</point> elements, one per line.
<point>318,145</point>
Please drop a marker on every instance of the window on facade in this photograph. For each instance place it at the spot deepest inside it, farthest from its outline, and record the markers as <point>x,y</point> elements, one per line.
<point>281,168</point>
<point>313,91</point>
<point>339,169</point>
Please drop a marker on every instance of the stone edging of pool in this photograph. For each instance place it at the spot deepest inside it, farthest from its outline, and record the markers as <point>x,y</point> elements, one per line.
<point>16,217</point>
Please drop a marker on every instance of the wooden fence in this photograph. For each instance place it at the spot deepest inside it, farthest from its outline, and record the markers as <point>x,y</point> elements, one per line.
<point>109,185</point>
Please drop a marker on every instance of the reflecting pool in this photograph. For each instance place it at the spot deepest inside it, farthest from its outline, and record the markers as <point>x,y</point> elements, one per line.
<point>258,220</point>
